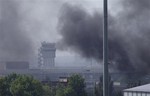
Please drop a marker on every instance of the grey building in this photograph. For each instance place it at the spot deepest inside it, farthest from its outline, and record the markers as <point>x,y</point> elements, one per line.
<point>46,59</point>
<point>17,65</point>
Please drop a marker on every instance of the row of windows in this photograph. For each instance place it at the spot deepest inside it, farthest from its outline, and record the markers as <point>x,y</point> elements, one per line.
<point>136,94</point>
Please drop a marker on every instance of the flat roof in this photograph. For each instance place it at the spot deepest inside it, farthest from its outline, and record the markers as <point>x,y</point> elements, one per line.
<point>143,88</point>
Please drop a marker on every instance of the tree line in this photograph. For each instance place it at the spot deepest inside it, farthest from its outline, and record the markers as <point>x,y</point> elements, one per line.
<point>23,85</point>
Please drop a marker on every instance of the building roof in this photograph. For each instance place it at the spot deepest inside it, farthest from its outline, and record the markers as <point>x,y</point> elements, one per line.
<point>143,88</point>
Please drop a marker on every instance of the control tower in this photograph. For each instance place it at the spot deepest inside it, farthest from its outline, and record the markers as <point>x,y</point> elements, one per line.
<point>46,59</point>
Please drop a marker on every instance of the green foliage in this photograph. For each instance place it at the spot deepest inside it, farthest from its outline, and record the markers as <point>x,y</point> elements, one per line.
<point>26,86</point>
<point>3,87</point>
<point>47,91</point>
<point>23,85</point>
<point>5,83</point>
<point>75,87</point>
<point>76,83</point>
<point>69,92</point>
<point>60,90</point>
<point>20,85</point>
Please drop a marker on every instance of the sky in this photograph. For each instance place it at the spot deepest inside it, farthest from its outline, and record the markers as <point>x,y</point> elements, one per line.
<point>37,22</point>
<point>41,17</point>
<point>76,27</point>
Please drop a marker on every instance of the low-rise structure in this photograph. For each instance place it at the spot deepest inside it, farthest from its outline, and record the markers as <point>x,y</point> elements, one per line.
<point>143,90</point>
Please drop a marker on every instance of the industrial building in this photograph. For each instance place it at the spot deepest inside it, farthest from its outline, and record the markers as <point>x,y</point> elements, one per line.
<point>47,71</point>
<point>54,74</point>
<point>143,90</point>
<point>46,55</point>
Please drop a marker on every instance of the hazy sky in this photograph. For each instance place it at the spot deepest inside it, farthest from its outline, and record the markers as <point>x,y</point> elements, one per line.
<point>38,20</point>
<point>24,24</point>
<point>41,18</point>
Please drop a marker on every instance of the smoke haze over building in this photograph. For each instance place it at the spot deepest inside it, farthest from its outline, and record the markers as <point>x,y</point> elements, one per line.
<point>25,24</point>
<point>128,34</point>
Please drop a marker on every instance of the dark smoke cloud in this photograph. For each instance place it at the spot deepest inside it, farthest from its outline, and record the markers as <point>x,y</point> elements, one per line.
<point>136,31</point>
<point>75,35</point>
<point>128,34</point>
<point>14,41</point>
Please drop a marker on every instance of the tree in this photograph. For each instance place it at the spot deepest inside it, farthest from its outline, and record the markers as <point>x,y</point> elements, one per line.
<point>4,91</point>
<point>20,85</point>
<point>26,86</point>
<point>76,85</point>
<point>60,90</point>
<point>5,83</point>
<point>69,92</point>
<point>47,91</point>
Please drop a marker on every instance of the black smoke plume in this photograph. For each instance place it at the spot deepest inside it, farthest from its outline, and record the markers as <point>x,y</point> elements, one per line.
<point>15,44</point>
<point>129,34</point>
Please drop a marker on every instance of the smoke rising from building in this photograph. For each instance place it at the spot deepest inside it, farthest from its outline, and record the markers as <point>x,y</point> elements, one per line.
<point>15,43</point>
<point>128,34</point>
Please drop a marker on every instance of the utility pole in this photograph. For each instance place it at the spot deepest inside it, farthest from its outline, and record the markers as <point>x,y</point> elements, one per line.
<point>105,50</point>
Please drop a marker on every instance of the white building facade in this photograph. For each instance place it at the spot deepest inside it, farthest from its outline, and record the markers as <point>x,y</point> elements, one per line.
<point>143,90</point>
